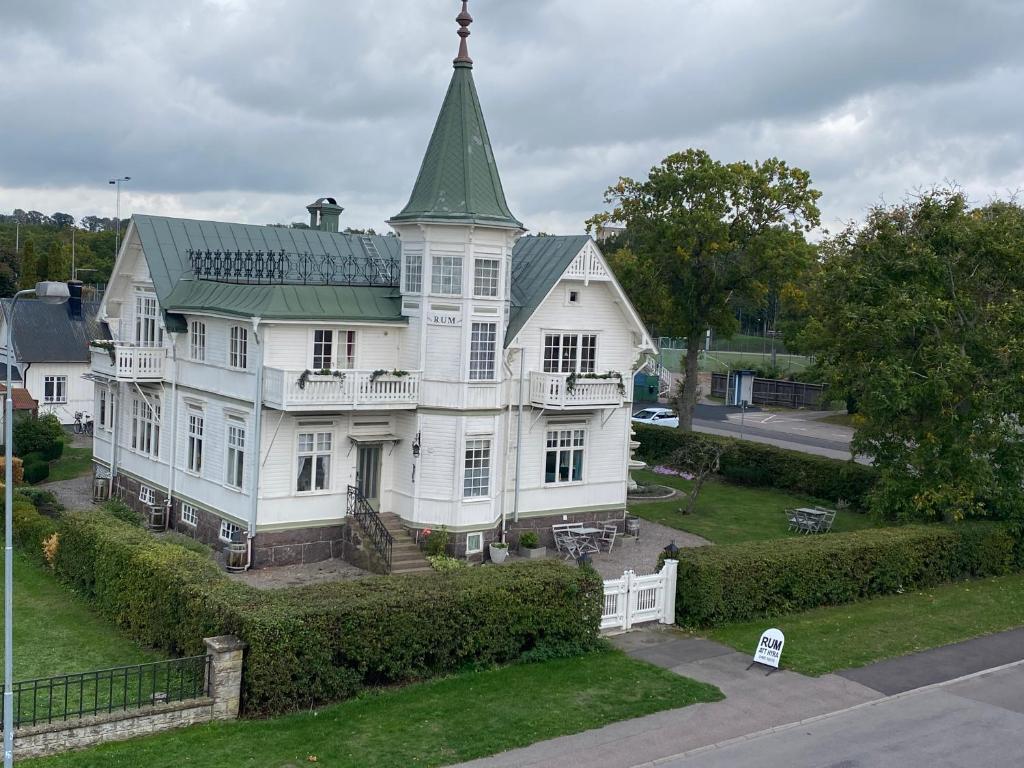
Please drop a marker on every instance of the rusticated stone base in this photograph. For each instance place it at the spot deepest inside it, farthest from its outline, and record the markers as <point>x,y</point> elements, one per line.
<point>298,546</point>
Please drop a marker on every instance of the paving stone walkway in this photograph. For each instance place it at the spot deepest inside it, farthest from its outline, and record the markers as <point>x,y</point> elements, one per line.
<point>283,576</point>
<point>75,493</point>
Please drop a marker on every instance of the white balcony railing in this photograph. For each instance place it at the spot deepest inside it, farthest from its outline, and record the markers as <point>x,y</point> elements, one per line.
<point>355,389</point>
<point>127,362</point>
<point>551,390</point>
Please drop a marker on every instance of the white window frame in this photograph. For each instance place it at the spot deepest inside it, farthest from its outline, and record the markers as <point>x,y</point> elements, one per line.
<point>55,390</point>
<point>483,351</point>
<point>574,432</point>
<point>189,515</point>
<point>227,529</point>
<point>486,277</point>
<point>102,403</point>
<point>553,359</point>
<point>195,428</point>
<point>149,332</point>
<point>446,274</point>
<point>569,291</point>
<point>235,436</point>
<point>197,341</point>
<point>412,272</point>
<point>145,427</point>
<point>238,347</point>
<point>147,495</point>
<point>316,450</point>
<point>475,550</point>
<point>476,467</point>
<point>341,349</point>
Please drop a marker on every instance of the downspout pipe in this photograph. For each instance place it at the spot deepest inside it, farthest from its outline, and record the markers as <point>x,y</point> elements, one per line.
<point>257,425</point>
<point>174,427</point>
<point>519,435</point>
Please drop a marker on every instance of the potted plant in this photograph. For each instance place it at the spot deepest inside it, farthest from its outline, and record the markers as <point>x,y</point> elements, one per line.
<point>530,546</point>
<point>499,551</point>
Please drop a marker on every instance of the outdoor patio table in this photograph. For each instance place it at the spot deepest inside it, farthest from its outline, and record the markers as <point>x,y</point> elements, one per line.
<point>585,536</point>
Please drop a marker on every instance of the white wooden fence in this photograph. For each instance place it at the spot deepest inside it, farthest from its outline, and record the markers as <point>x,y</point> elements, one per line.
<point>635,599</point>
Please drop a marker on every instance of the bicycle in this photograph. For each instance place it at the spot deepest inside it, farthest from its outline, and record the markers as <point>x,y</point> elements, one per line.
<point>83,424</point>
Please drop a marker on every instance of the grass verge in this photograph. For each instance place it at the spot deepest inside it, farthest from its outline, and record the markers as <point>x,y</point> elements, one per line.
<point>74,462</point>
<point>430,724</point>
<point>826,639</point>
<point>728,513</point>
<point>55,632</point>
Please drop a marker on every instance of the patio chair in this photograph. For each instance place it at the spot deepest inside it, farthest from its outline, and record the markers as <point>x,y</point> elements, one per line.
<point>563,538</point>
<point>824,523</point>
<point>607,540</point>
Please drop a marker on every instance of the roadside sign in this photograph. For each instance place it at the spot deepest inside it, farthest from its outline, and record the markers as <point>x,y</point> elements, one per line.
<point>769,649</point>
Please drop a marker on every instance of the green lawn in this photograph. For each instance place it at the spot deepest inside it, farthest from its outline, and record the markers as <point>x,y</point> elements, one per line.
<point>430,724</point>
<point>719,361</point>
<point>74,462</point>
<point>826,639</point>
<point>728,513</point>
<point>55,633</point>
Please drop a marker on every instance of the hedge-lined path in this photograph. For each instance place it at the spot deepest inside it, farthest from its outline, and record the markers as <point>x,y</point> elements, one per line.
<point>73,494</point>
<point>754,702</point>
<point>282,576</point>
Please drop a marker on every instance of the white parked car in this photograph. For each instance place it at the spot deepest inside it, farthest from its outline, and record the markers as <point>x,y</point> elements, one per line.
<point>663,417</point>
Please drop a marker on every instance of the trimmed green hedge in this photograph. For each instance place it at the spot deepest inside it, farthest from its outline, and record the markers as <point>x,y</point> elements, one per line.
<point>31,529</point>
<point>36,471</point>
<point>739,582</point>
<point>766,465</point>
<point>325,642</point>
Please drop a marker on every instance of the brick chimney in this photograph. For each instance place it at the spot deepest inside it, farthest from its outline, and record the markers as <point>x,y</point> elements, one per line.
<point>324,214</point>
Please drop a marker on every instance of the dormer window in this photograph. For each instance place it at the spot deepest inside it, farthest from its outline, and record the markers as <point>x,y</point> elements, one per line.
<point>446,275</point>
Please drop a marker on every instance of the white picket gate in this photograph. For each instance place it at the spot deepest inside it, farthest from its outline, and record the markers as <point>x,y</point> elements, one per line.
<point>635,599</point>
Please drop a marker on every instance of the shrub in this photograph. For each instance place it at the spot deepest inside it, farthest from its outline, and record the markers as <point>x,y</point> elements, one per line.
<point>445,564</point>
<point>529,540</point>
<point>124,513</point>
<point>187,542</point>
<point>758,464</point>
<point>45,501</point>
<point>437,542</point>
<point>53,451</point>
<point>17,469</point>
<point>321,643</point>
<point>738,582</point>
<point>36,471</point>
<point>37,434</point>
<point>31,529</point>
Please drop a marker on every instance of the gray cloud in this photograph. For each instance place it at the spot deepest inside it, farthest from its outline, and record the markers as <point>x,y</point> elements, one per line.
<point>244,109</point>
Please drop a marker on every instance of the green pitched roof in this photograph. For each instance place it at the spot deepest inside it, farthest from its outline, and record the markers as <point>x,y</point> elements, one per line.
<point>538,261</point>
<point>166,242</point>
<point>458,180</point>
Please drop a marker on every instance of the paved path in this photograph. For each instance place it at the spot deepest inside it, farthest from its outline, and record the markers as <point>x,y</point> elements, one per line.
<point>754,701</point>
<point>75,493</point>
<point>969,723</point>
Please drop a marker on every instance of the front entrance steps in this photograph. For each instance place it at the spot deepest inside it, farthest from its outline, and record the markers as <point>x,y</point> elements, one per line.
<point>406,556</point>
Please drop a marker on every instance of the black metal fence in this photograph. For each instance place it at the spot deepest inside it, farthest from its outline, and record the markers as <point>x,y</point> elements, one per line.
<point>283,268</point>
<point>371,524</point>
<point>781,392</point>
<point>68,697</point>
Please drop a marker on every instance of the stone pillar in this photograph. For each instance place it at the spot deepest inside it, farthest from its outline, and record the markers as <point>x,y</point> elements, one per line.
<point>669,572</point>
<point>225,675</point>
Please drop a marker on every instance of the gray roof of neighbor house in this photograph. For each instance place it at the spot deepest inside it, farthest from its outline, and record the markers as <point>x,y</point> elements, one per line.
<point>166,242</point>
<point>15,373</point>
<point>538,261</point>
<point>47,333</point>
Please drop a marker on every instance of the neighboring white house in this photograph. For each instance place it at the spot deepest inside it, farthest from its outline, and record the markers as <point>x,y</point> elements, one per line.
<point>473,378</point>
<point>51,351</point>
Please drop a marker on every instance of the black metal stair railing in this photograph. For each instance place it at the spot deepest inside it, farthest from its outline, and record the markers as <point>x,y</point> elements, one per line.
<point>371,524</point>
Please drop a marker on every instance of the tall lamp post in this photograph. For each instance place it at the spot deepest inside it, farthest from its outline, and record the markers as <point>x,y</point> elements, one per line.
<point>50,293</point>
<point>117,216</point>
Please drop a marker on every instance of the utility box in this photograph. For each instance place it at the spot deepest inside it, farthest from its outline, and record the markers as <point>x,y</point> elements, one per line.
<point>740,388</point>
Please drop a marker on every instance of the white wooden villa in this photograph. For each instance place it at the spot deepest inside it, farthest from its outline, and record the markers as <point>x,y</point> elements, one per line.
<point>267,382</point>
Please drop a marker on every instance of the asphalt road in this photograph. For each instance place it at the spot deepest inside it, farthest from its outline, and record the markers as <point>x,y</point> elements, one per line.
<point>967,724</point>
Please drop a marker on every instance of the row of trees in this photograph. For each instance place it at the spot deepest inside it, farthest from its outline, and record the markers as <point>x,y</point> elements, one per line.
<point>915,314</point>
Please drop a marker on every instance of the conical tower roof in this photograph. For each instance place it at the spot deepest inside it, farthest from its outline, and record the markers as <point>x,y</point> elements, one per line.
<point>458,180</point>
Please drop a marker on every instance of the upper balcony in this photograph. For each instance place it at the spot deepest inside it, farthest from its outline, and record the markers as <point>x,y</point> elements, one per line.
<point>129,362</point>
<point>339,391</point>
<point>556,391</point>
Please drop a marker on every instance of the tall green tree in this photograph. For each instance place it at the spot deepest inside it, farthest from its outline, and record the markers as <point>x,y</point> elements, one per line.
<point>55,263</point>
<point>705,234</point>
<point>919,316</point>
<point>29,274</point>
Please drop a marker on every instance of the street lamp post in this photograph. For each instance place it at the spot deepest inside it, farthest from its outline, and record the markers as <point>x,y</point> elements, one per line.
<point>117,215</point>
<point>50,293</point>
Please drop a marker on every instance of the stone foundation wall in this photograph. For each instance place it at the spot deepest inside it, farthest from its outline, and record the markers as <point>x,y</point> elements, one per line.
<point>299,545</point>
<point>225,685</point>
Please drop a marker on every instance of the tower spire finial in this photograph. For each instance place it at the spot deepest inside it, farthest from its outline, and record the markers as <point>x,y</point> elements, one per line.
<point>464,20</point>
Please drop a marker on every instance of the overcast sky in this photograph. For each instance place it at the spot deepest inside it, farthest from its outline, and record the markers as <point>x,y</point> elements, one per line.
<point>243,110</point>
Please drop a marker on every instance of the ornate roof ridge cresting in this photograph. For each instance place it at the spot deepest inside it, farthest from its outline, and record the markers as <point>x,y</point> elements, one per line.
<point>258,267</point>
